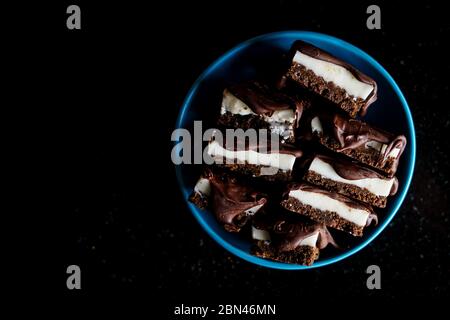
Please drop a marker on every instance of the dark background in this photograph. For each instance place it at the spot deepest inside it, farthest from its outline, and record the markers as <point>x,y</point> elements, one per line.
<point>111,93</point>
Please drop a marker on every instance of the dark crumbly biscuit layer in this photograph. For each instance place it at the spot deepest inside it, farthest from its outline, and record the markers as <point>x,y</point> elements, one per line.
<point>304,255</point>
<point>329,218</point>
<point>244,122</point>
<point>349,190</point>
<point>229,120</point>
<point>328,90</point>
<point>368,156</point>
<point>197,199</point>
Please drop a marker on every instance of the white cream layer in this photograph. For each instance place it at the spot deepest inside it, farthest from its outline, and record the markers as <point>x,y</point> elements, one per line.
<point>258,234</point>
<point>322,202</point>
<point>377,186</point>
<point>203,187</point>
<point>316,126</point>
<point>253,210</point>
<point>280,122</point>
<point>340,76</point>
<point>310,241</point>
<point>281,161</point>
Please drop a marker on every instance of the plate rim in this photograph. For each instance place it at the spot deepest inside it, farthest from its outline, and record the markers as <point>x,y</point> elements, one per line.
<point>321,263</point>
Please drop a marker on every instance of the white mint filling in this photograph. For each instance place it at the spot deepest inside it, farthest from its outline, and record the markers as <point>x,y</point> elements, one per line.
<point>203,187</point>
<point>316,125</point>
<point>230,103</point>
<point>338,75</point>
<point>258,234</point>
<point>280,122</point>
<point>310,241</point>
<point>377,186</point>
<point>381,147</point>
<point>281,161</point>
<point>324,203</point>
<point>253,210</point>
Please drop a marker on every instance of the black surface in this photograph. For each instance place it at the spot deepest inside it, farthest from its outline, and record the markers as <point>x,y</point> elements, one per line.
<point>115,89</point>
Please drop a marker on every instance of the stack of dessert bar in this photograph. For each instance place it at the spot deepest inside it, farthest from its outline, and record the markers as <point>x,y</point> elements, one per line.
<point>329,173</point>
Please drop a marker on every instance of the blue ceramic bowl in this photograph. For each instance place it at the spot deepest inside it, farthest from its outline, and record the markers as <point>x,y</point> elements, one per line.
<point>247,61</point>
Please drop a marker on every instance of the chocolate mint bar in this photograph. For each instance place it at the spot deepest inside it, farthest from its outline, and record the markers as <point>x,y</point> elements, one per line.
<point>255,105</point>
<point>358,140</point>
<point>350,179</point>
<point>232,201</point>
<point>249,161</point>
<point>331,78</point>
<point>290,240</point>
<point>329,208</point>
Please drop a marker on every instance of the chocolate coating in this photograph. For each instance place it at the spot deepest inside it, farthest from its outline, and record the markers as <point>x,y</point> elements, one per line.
<point>264,100</point>
<point>320,54</point>
<point>230,198</point>
<point>287,235</point>
<point>394,188</point>
<point>350,170</point>
<point>353,134</point>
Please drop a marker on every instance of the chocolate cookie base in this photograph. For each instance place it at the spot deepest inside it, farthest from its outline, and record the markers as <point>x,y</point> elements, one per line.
<point>229,120</point>
<point>329,218</point>
<point>328,90</point>
<point>368,156</point>
<point>349,190</point>
<point>199,201</point>
<point>251,170</point>
<point>304,255</point>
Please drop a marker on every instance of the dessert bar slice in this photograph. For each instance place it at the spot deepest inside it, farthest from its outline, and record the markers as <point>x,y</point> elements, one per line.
<point>255,105</point>
<point>250,161</point>
<point>331,78</point>
<point>290,240</point>
<point>358,140</point>
<point>329,208</point>
<point>350,179</point>
<point>232,201</point>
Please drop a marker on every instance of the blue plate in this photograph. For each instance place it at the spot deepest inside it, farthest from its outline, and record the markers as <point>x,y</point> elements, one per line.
<point>251,59</point>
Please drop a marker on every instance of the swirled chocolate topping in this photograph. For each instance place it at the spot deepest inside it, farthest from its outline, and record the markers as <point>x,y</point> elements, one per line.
<point>231,198</point>
<point>287,235</point>
<point>336,196</point>
<point>352,134</point>
<point>350,170</point>
<point>319,54</point>
<point>264,100</point>
<point>372,217</point>
<point>394,188</point>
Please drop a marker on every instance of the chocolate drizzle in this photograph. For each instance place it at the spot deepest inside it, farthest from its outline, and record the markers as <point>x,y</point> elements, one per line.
<point>230,199</point>
<point>319,54</point>
<point>288,235</point>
